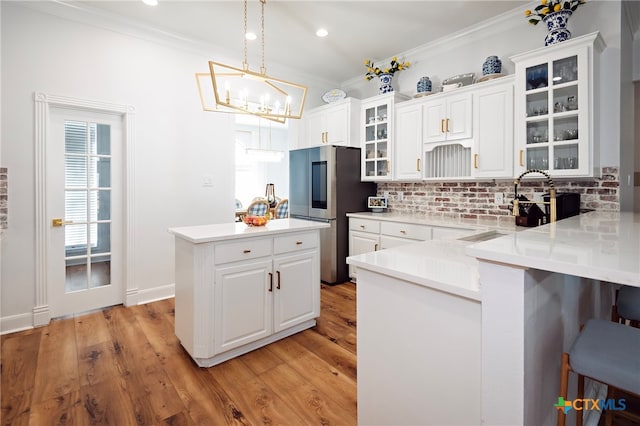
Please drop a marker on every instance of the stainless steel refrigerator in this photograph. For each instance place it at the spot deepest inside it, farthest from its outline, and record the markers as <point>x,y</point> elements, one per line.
<point>324,185</point>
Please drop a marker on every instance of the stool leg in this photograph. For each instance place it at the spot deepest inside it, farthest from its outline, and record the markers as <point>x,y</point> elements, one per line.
<point>580,396</point>
<point>564,385</point>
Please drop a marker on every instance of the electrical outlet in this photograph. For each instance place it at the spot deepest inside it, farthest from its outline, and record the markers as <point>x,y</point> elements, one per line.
<point>498,198</point>
<point>207,181</point>
<point>400,195</point>
<point>385,194</point>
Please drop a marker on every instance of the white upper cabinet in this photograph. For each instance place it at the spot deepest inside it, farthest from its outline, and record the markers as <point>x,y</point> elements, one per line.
<point>408,141</point>
<point>492,148</point>
<point>556,127</point>
<point>447,118</point>
<point>332,124</point>
<point>377,122</point>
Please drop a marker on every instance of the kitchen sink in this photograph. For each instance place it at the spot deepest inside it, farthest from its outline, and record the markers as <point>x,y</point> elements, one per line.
<point>483,236</point>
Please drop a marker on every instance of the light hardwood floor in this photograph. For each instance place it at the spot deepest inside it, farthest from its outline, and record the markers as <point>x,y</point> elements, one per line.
<point>125,366</point>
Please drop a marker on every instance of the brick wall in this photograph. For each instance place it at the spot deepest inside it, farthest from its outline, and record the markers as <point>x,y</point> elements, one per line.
<point>4,198</point>
<point>475,200</point>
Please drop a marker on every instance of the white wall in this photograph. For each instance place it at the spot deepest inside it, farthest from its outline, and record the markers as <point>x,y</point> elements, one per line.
<point>510,35</point>
<point>177,144</point>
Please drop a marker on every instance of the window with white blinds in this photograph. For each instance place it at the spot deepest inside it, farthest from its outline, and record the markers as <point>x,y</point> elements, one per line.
<point>87,181</point>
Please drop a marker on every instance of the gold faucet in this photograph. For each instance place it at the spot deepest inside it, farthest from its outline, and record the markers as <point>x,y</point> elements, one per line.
<point>552,195</point>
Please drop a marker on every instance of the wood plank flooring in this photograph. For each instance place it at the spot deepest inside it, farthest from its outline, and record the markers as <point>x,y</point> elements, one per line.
<point>125,366</point>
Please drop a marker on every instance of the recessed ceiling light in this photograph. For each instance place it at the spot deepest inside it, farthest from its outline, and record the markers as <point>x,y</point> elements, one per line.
<point>250,36</point>
<point>150,2</point>
<point>322,32</point>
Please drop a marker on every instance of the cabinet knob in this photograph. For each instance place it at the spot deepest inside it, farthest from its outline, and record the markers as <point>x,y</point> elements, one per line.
<point>245,251</point>
<point>403,232</point>
<point>298,243</point>
<point>362,226</point>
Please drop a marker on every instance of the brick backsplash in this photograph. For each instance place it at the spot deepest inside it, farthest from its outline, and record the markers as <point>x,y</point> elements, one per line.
<point>475,199</point>
<point>4,198</point>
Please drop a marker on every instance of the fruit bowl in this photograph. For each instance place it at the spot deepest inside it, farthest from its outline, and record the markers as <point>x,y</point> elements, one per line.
<point>255,220</point>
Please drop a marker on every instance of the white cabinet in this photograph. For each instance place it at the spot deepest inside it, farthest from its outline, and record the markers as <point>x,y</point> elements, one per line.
<point>447,118</point>
<point>333,124</point>
<point>364,237</point>
<point>407,152</point>
<point>377,123</point>
<point>556,127</point>
<point>492,147</point>
<point>235,296</point>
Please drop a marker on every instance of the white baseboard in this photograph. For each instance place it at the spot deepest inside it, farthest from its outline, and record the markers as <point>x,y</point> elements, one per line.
<point>157,293</point>
<point>14,323</point>
<point>20,322</point>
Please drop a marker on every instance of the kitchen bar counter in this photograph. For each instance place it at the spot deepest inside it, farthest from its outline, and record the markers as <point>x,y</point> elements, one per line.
<point>437,220</point>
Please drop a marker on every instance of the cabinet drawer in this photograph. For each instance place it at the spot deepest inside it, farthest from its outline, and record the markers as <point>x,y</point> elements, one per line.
<point>406,230</point>
<point>242,250</point>
<point>364,225</point>
<point>295,242</point>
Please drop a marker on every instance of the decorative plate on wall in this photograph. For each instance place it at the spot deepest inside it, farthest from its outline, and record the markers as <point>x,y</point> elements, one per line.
<point>334,95</point>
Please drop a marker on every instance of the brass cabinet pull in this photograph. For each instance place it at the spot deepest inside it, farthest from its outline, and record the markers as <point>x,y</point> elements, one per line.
<point>375,247</point>
<point>278,285</point>
<point>442,125</point>
<point>245,251</point>
<point>448,125</point>
<point>362,226</point>
<point>298,243</point>
<point>475,161</point>
<point>60,222</point>
<point>522,158</point>
<point>418,165</point>
<point>270,281</point>
<point>403,232</point>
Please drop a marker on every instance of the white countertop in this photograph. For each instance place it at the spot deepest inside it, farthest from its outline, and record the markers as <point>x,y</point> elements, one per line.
<point>235,230</point>
<point>438,264</point>
<point>597,245</point>
<point>435,220</point>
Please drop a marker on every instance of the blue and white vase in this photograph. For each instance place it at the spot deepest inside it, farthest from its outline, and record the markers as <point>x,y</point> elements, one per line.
<point>424,85</point>
<point>385,82</point>
<point>493,65</point>
<point>557,25</point>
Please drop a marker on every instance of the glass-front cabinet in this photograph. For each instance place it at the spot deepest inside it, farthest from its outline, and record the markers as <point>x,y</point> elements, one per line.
<point>555,120</point>
<point>377,136</point>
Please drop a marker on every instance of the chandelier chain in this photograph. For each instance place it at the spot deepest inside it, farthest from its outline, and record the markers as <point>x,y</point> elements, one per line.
<point>263,69</point>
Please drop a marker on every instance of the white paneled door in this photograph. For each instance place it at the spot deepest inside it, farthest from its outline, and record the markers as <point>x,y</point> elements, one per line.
<point>84,208</point>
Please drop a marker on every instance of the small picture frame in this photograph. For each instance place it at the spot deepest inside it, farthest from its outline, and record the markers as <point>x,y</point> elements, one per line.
<point>377,204</point>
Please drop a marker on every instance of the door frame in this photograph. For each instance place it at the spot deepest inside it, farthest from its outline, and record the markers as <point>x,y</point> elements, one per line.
<point>43,102</point>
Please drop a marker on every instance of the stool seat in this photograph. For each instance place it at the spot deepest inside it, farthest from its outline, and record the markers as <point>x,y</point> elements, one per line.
<point>608,352</point>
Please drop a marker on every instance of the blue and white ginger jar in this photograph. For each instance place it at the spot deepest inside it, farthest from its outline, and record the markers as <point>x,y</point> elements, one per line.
<point>424,85</point>
<point>493,65</point>
<point>557,26</point>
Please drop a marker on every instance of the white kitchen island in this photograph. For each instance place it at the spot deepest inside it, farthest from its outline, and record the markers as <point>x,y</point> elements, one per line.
<point>457,332</point>
<point>239,288</point>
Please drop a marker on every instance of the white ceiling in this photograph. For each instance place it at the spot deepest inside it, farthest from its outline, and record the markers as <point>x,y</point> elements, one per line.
<point>357,29</point>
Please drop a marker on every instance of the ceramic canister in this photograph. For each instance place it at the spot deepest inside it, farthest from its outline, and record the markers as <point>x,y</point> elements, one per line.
<point>493,65</point>
<point>424,85</point>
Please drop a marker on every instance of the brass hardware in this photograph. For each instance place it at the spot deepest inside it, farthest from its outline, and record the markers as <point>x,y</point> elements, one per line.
<point>298,243</point>
<point>270,281</point>
<point>442,125</point>
<point>418,165</point>
<point>278,285</point>
<point>448,125</point>
<point>245,251</point>
<point>403,232</point>
<point>475,161</point>
<point>375,247</point>
<point>522,158</point>
<point>362,226</point>
<point>60,222</point>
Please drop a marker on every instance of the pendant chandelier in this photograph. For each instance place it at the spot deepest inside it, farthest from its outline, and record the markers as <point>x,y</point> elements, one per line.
<point>239,90</point>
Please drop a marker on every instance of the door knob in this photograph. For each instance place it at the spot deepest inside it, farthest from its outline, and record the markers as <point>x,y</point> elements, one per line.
<point>60,222</point>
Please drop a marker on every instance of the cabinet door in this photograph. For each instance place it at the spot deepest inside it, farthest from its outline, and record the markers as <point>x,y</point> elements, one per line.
<point>337,125</point>
<point>433,116</point>
<point>493,130</point>
<point>408,142</point>
<point>296,289</point>
<point>315,125</point>
<point>361,242</point>
<point>242,304</point>
<point>458,119</point>
<point>389,242</point>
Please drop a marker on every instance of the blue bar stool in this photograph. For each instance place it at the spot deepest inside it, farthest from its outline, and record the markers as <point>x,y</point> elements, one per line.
<point>607,352</point>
